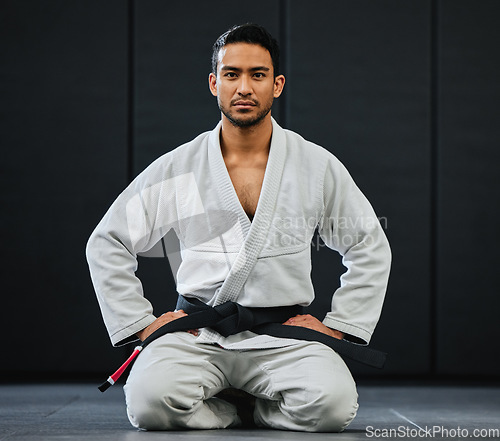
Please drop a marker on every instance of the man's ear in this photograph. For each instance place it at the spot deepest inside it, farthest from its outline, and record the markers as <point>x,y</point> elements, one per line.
<point>279,84</point>
<point>212,83</point>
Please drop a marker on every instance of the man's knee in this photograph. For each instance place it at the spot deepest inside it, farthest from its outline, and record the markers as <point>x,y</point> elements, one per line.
<point>328,407</point>
<point>158,405</point>
<point>335,406</point>
<point>171,404</point>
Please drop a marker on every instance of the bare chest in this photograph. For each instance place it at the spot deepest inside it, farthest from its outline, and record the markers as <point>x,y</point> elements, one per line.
<point>247,183</point>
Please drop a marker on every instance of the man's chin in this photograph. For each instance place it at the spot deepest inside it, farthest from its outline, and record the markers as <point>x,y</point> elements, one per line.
<point>243,121</point>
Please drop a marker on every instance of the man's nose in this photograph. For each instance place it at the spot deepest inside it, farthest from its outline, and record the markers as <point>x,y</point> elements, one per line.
<point>244,86</point>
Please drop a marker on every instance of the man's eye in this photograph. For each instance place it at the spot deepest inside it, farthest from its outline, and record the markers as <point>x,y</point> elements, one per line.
<point>230,75</point>
<point>259,75</point>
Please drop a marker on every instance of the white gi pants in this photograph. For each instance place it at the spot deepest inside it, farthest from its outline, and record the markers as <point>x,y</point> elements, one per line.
<point>302,387</point>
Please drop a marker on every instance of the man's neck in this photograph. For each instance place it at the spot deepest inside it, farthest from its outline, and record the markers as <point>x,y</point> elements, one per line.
<point>246,141</point>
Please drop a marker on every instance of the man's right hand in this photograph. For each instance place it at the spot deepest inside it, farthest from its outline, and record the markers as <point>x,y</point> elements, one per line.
<point>162,320</point>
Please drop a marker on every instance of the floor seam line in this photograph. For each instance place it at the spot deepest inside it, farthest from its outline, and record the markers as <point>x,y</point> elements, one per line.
<point>69,402</point>
<point>405,418</point>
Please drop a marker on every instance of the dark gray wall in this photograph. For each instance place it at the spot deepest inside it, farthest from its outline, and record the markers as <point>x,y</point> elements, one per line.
<point>404,93</point>
<point>468,188</point>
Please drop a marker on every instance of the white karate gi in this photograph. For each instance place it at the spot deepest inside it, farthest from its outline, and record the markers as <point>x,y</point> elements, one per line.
<point>225,257</point>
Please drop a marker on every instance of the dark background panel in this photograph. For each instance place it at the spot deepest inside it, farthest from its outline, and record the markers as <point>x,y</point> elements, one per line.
<point>173,50</point>
<point>469,187</point>
<point>358,84</point>
<point>63,137</point>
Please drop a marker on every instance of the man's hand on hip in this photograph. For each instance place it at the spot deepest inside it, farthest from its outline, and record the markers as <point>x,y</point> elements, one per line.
<point>163,320</point>
<point>308,321</point>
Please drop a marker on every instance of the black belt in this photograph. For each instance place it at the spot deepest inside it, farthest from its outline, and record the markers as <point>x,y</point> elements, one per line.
<point>230,318</point>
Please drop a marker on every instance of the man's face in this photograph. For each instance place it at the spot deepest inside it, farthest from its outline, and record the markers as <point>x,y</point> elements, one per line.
<point>245,85</point>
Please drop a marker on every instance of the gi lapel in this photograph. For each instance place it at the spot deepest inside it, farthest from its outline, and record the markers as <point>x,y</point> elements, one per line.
<point>256,231</point>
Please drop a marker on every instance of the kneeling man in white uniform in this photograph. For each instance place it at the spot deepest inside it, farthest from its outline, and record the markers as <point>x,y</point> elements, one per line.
<point>244,200</point>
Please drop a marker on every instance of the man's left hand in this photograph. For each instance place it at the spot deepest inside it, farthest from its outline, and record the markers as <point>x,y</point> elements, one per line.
<point>308,321</point>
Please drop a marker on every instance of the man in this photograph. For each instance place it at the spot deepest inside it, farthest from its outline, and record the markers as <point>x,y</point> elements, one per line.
<point>244,201</point>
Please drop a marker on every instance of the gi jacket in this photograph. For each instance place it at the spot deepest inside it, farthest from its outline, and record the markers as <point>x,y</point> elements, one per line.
<point>225,256</point>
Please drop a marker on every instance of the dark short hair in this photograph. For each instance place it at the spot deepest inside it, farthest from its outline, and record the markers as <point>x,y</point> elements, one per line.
<point>248,33</point>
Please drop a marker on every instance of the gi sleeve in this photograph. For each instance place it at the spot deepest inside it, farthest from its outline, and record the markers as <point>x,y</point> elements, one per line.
<point>350,226</point>
<point>134,223</point>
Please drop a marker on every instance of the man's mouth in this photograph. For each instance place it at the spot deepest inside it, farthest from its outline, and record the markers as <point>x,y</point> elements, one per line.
<point>244,104</point>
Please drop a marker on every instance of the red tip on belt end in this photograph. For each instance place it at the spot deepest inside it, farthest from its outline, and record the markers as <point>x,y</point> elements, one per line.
<point>113,378</point>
